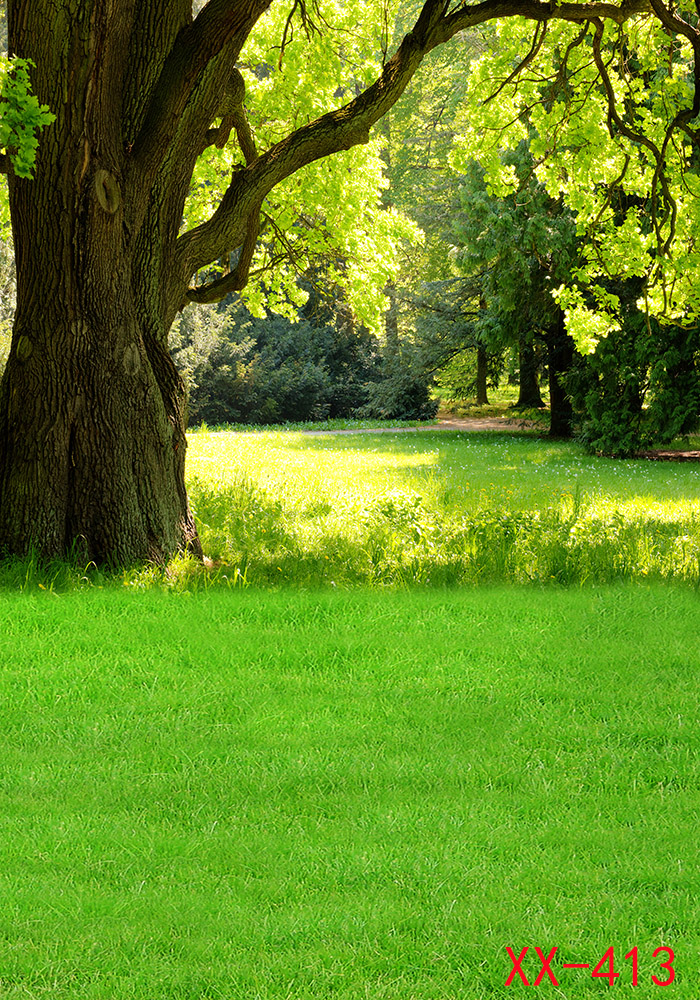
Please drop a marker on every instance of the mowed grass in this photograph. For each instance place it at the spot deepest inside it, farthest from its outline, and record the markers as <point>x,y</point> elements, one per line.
<point>286,795</point>
<point>435,509</point>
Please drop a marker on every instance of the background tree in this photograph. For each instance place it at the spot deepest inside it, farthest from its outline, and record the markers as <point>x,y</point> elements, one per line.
<point>523,246</point>
<point>418,133</point>
<point>606,109</point>
<point>452,328</point>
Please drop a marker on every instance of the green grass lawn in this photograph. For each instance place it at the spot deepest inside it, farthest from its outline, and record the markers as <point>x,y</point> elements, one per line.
<point>281,795</point>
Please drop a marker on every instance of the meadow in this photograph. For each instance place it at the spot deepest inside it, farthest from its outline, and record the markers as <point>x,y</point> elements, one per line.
<point>436,697</point>
<point>433,509</point>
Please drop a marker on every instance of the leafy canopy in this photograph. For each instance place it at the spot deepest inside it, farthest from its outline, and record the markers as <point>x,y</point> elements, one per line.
<point>331,211</point>
<point>609,109</point>
<point>609,112</point>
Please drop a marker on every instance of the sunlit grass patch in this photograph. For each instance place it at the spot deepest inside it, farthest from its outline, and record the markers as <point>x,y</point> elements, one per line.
<point>426,509</point>
<point>436,509</point>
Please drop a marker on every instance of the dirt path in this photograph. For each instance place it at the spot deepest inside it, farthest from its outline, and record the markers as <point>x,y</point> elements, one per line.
<point>476,424</point>
<point>669,455</point>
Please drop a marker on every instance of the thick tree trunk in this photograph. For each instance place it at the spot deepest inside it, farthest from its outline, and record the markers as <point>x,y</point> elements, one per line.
<point>560,350</point>
<point>482,398</point>
<point>529,395</point>
<point>92,435</point>
<point>91,409</point>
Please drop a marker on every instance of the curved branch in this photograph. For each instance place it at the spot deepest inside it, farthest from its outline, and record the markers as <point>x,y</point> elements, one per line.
<point>540,35</point>
<point>349,125</point>
<point>335,131</point>
<point>214,291</point>
<point>538,10</point>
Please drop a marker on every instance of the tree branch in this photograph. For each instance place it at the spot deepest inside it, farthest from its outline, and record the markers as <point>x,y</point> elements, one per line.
<point>221,25</point>
<point>236,280</point>
<point>537,10</point>
<point>349,125</point>
<point>540,35</point>
<point>337,130</point>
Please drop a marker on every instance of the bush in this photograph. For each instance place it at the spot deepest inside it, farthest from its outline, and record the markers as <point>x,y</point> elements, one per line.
<point>239,369</point>
<point>640,387</point>
<point>403,394</point>
<point>243,370</point>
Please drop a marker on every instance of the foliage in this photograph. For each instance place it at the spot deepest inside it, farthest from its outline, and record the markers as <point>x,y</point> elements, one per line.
<point>641,385</point>
<point>584,76</point>
<point>402,392</point>
<point>241,369</point>
<point>457,380</point>
<point>329,213</point>
<point>674,384</point>
<point>450,329</point>
<point>21,115</point>
<point>519,247</point>
<point>507,253</point>
<point>419,132</point>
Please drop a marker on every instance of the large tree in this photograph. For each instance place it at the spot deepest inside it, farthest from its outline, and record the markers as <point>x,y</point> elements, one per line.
<point>92,421</point>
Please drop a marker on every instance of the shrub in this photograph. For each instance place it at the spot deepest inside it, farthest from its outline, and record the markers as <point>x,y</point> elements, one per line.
<point>240,369</point>
<point>640,387</point>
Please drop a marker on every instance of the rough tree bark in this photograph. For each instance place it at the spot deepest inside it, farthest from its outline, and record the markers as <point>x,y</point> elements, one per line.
<point>92,433</point>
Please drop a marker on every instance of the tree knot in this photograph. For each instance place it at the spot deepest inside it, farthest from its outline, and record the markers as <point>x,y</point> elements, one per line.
<point>24,348</point>
<point>107,191</point>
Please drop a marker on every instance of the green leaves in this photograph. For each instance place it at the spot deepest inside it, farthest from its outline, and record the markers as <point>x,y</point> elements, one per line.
<point>628,172</point>
<point>21,116</point>
<point>329,213</point>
